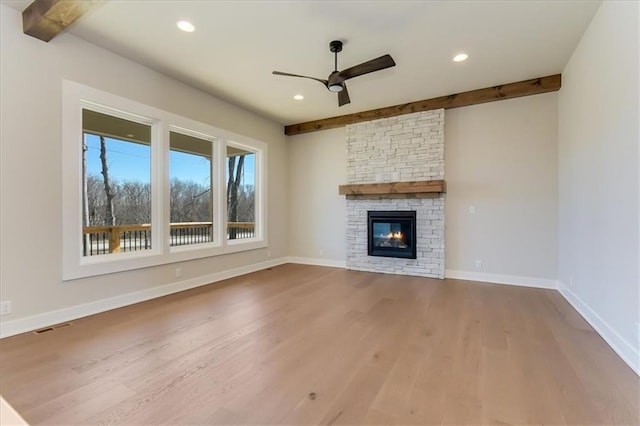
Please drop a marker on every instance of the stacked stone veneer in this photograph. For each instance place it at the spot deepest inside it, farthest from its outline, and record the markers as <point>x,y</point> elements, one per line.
<point>398,149</point>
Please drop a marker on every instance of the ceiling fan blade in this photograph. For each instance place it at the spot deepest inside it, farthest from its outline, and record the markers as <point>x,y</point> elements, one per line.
<point>343,96</point>
<point>286,74</point>
<point>385,61</point>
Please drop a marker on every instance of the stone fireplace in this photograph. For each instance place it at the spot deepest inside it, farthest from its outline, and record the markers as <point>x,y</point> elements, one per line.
<point>396,165</point>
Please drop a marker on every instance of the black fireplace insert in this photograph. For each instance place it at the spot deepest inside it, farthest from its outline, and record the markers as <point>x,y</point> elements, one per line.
<point>392,234</point>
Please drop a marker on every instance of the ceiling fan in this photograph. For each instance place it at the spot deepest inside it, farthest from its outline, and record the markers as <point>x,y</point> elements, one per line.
<point>336,80</point>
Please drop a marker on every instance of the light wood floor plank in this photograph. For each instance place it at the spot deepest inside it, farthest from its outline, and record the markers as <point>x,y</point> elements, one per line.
<point>302,345</point>
<point>463,405</point>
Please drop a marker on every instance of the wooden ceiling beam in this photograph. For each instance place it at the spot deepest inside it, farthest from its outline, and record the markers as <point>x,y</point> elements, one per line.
<point>45,19</point>
<point>533,86</point>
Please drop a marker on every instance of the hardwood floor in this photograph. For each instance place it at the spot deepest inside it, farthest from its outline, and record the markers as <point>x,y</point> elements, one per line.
<point>312,345</point>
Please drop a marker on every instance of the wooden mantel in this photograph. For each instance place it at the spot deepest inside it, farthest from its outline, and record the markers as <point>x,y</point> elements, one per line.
<point>414,189</point>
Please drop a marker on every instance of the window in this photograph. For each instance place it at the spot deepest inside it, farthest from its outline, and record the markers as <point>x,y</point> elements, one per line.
<point>190,190</point>
<point>116,184</point>
<point>145,187</point>
<point>241,192</point>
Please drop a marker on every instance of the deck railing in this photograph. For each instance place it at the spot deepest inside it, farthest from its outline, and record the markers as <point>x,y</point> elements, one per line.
<point>124,238</point>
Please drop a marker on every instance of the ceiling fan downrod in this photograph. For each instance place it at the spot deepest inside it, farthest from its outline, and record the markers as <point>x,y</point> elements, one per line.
<point>335,46</point>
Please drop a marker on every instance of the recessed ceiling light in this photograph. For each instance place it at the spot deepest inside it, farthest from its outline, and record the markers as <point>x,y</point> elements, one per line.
<point>298,97</point>
<point>186,26</point>
<point>460,57</point>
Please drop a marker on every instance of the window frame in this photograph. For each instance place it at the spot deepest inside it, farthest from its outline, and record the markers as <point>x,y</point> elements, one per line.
<point>76,97</point>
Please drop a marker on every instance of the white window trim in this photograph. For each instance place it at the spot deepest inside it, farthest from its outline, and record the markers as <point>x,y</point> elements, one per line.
<point>75,265</point>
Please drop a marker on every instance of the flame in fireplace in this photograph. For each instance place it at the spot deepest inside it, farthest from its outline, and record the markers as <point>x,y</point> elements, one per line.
<point>393,235</point>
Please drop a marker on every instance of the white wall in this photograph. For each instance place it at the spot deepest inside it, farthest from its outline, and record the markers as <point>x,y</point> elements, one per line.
<point>318,164</point>
<point>30,224</point>
<point>501,157</point>
<point>598,183</point>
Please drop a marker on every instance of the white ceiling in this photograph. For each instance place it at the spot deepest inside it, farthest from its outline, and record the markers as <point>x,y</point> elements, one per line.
<point>237,44</point>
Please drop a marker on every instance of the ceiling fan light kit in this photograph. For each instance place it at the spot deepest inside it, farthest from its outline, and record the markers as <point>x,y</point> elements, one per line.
<point>336,80</point>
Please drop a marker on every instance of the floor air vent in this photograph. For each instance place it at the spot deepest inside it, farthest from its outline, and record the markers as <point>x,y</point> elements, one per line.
<point>55,327</point>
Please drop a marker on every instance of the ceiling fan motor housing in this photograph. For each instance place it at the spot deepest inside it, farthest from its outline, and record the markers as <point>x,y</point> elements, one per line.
<point>334,83</point>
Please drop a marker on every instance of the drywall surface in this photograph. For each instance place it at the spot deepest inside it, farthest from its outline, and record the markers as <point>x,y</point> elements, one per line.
<point>501,206</point>
<point>317,217</point>
<point>598,183</point>
<point>31,167</point>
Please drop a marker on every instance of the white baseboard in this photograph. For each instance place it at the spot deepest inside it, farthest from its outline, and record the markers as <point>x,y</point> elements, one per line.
<point>624,349</point>
<point>318,262</point>
<point>501,279</point>
<point>35,322</point>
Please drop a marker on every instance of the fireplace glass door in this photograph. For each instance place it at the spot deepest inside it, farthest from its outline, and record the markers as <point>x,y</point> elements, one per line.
<point>392,234</point>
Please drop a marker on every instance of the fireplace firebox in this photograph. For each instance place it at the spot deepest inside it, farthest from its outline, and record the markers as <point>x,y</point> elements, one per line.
<point>392,234</point>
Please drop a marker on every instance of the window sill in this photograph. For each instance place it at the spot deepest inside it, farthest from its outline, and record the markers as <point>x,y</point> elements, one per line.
<point>114,263</point>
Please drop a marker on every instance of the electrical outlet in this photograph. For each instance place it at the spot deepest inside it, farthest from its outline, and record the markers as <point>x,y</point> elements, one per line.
<point>478,264</point>
<point>5,307</point>
<point>321,252</point>
<point>472,209</point>
<point>178,272</point>
<point>268,253</point>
